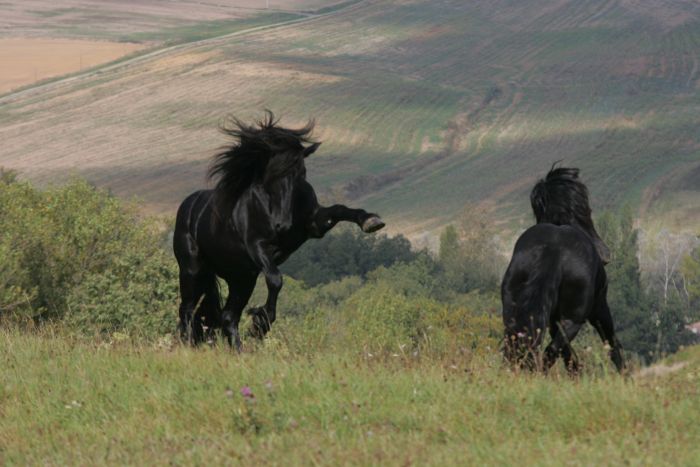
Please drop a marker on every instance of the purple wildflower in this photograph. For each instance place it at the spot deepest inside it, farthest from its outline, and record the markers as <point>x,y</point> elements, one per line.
<point>247,393</point>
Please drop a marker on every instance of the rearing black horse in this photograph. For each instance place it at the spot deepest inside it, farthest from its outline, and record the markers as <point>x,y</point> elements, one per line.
<point>261,210</point>
<point>556,278</point>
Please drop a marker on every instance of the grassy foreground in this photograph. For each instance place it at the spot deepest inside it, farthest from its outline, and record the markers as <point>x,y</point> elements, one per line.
<point>71,401</point>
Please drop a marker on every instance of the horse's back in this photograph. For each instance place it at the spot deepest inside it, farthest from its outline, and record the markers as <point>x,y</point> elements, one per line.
<point>558,260</point>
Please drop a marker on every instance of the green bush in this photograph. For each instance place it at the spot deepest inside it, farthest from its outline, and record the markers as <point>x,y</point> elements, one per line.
<point>137,295</point>
<point>381,320</point>
<point>77,253</point>
<point>346,251</point>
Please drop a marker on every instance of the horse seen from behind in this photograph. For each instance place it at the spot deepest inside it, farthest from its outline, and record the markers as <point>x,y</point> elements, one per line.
<point>260,211</point>
<point>556,278</point>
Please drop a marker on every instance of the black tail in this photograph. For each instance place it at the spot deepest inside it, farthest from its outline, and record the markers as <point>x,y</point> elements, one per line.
<point>526,315</point>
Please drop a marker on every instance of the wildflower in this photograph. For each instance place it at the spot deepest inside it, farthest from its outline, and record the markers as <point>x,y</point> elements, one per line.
<point>247,393</point>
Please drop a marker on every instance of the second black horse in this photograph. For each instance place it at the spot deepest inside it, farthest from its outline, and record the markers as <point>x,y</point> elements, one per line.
<point>261,210</point>
<point>556,279</point>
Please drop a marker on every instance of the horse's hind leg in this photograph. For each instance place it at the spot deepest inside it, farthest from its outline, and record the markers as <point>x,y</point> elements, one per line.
<point>209,312</point>
<point>563,332</point>
<point>191,291</point>
<point>603,323</point>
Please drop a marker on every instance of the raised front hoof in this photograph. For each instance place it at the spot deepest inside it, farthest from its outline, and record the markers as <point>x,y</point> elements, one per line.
<point>372,224</point>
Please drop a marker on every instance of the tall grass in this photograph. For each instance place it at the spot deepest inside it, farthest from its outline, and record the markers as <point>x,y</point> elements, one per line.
<point>65,400</point>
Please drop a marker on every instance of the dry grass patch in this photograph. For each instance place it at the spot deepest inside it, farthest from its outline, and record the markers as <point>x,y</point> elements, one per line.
<point>24,61</point>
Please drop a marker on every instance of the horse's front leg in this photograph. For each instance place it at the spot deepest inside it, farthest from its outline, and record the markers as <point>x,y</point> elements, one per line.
<point>239,292</point>
<point>326,218</point>
<point>264,316</point>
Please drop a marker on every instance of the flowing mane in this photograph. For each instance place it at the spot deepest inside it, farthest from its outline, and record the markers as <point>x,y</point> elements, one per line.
<point>562,199</point>
<point>261,153</point>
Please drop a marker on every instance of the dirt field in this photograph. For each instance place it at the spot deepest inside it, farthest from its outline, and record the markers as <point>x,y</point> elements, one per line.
<point>118,19</point>
<point>26,61</point>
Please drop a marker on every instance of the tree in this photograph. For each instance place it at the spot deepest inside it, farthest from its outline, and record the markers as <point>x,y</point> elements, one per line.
<point>469,255</point>
<point>629,305</point>
<point>650,321</point>
<point>346,252</point>
<point>690,271</point>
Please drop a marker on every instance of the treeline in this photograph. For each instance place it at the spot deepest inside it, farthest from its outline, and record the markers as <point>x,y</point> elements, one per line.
<point>651,321</point>
<point>77,256</point>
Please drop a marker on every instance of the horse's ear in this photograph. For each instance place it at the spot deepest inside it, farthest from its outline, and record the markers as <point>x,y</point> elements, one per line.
<point>311,149</point>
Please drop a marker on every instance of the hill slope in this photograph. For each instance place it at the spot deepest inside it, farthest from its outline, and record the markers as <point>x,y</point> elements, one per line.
<point>423,106</point>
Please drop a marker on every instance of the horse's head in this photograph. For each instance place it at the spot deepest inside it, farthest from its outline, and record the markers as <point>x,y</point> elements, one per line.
<point>562,199</point>
<point>264,155</point>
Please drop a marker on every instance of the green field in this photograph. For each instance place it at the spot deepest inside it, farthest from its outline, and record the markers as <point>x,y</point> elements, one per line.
<point>67,401</point>
<point>424,107</point>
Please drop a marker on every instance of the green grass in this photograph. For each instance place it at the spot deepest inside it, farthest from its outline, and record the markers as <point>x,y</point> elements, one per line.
<point>70,401</point>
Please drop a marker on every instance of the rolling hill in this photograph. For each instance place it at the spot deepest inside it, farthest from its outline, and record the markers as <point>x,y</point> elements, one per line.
<point>423,106</point>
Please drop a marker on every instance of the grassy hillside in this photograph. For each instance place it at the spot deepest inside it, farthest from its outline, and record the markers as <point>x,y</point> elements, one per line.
<point>423,106</point>
<point>63,401</point>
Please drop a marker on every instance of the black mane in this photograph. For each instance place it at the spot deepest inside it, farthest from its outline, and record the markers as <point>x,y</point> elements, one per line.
<point>261,153</point>
<point>562,199</point>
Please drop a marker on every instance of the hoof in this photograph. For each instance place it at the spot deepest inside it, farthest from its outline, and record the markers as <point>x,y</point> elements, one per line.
<point>260,325</point>
<point>372,224</point>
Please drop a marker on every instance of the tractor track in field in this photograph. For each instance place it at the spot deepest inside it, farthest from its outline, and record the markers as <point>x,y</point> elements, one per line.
<point>457,129</point>
<point>166,51</point>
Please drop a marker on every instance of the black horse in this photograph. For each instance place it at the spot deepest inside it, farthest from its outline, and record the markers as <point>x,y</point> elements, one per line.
<point>556,278</point>
<point>261,210</point>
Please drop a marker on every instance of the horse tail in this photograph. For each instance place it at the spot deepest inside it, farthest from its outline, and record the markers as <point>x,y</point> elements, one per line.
<point>539,296</point>
<point>528,305</point>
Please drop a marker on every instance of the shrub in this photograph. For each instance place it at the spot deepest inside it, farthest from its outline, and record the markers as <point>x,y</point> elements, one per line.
<point>78,253</point>
<point>136,295</point>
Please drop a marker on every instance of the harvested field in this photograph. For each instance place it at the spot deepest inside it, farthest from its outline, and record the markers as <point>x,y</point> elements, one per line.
<point>25,61</point>
<point>132,20</point>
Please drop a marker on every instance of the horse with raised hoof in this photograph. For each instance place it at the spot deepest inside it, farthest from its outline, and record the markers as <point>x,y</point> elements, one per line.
<point>556,278</point>
<point>260,211</point>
